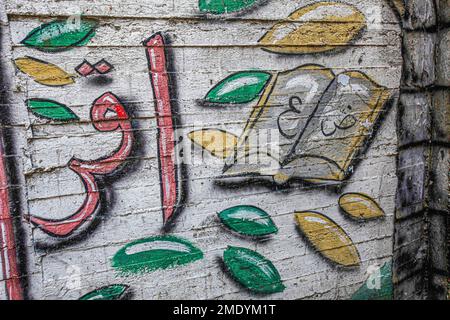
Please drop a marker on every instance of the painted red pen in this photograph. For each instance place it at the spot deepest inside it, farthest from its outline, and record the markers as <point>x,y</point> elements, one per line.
<point>10,268</point>
<point>166,117</point>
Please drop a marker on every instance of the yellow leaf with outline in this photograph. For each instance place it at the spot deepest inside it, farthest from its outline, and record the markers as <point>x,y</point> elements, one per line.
<point>360,206</point>
<point>319,27</point>
<point>43,72</point>
<point>328,238</point>
<point>219,143</point>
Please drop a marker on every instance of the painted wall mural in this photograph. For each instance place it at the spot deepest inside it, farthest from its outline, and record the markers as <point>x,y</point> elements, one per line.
<point>324,122</point>
<point>266,141</point>
<point>378,286</point>
<point>10,266</point>
<point>154,253</point>
<point>169,153</point>
<point>107,114</point>
<point>60,35</point>
<point>360,206</point>
<point>52,110</point>
<point>252,270</point>
<point>319,27</point>
<point>101,67</point>
<point>248,221</point>
<point>44,73</point>
<point>225,6</point>
<point>328,238</point>
<point>112,292</point>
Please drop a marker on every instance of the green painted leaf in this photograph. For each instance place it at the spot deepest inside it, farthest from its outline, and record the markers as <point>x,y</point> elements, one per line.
<point>224,6</point>
<point>49,109</point>
<point>160,252</point>
<point>248,221</point>
<point>377,287</point>
<point>252,270</point>
<point>112,292</point>
<point>241,87</point>
<point>61,35</point>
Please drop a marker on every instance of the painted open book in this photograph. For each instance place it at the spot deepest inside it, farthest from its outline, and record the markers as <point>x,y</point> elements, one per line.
<point>309,124</point>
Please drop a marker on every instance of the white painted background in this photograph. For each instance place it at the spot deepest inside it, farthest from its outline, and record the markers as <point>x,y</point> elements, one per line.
<point>205,51</point>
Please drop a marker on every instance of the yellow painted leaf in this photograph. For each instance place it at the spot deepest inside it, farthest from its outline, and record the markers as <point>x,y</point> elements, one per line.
<point>328,238</point>
<point>43,72</point>
<point>319,27</point>
<point>219,143</point>
<point>360,206</point>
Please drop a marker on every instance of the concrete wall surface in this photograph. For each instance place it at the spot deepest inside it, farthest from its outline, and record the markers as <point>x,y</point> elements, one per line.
<point>212,149</point>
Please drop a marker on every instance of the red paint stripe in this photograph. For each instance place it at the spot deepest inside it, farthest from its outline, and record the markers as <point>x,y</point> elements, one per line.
<point>166,141</point>
<point>10,267</point>
<point>87,169</point>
